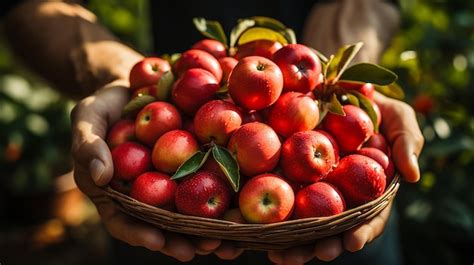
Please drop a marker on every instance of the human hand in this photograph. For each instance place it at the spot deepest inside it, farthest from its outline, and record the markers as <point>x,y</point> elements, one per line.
<point>93,167</point>
<point>401,129</point>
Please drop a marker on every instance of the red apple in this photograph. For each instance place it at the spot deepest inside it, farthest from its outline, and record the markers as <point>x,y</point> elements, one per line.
<point>351,130</point>
<point>227,65</point>
<point>214,47</point>
<point>121,132</point>
<point>172,149</point>
<point>382,159</point>
<point>333,142</point>
<point>360,179</point>
<point>293,112</point>
<point>424,104</point>
<point>212,166</point>
<point>148,72</point>
<point>300,67</point>
<point>203,194</point>
<point>256,147</point>
<point>194,88</point>
<point>366,89</point>
<point>266,198</point>
<point>155,119</point>
<point>216,121</point>
<point>234,215</point>
<point>130,160</point>
<point>319,199</point>
<point>255,83</point>
<point>198,59</point>
<point>251,116</point>
<point>307,156</point>
<point>263,48</point>
<point>378,141</point>
<point>146,90</point>
<point>154,188</point>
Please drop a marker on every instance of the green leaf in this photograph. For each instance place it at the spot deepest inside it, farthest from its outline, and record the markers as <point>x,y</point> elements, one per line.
<point>325,67</point>
<point>268,22</point>
<point>193,164</point>
<point>353,100</point>
<point>366,105</point>
<point>137,104</point>
<point>165,84</point>
<point>393,90</point>
<point>290,35</point>
<point>335,106</point>
<point>210,28</point>
<point>369,73</point>
<point>241,26</point>
<point>228,165</point>
<point>342,59</point>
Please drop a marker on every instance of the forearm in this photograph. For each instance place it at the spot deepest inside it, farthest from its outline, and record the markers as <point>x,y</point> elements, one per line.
<point>65,45</point>
<point>332,25</point>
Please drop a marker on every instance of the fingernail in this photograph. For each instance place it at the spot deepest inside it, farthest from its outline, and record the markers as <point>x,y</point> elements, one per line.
<point>96,168</point>
<point>416,167</point>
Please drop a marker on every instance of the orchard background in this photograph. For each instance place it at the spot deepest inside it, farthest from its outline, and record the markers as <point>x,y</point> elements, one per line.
<point>433,54</point>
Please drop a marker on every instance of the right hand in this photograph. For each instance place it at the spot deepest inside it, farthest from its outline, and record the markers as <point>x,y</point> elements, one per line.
<point>93,167</point>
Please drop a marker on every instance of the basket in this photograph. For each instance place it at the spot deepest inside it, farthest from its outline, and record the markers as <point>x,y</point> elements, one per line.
<point>276,236</point>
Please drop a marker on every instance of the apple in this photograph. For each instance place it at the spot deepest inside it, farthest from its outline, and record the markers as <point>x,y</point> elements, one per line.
<point>424,104</point>
<point>212,166</point>
<point>333,142</point>
<point>154,120</point>
<point>300,67</point>
<point>366,89</point>
<point>193,89</point>
<point>227,65</point>
<point>266,198</point>
<point>263,48</point>
<point>234,215</point>
<point>172,149</point>
<point>293,112</point>
<point>198,59</point>
<point>203,194</point>
<point>215,122</point>
<point>214,47</point>
<point>360,179</point>
<point>307,156</point>
<point>251,116</point>
<point>256,147</point>
<point>148,72</point>
<point>122,131</point>
<point>146,90</point>
<point>378,141</point>
<point>351,130</point>
<point>130,160</point>
<point>154,188</point>
<point>382,159</point>
<point>319,199</point>
<point>255,83</point>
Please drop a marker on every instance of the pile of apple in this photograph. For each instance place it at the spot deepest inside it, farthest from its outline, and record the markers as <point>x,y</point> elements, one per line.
<point>261,132</point>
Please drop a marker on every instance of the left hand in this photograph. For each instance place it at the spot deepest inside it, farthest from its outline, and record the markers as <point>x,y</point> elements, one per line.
<point>406,141</point>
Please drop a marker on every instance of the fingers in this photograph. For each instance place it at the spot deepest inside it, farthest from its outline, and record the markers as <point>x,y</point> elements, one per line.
<point>356,238</point>
<point>206,246</point>
<point>405,150</point>
<point>292,256</point>
<point>328,249</point>
<point>227,251</point>
<point>179,247</point>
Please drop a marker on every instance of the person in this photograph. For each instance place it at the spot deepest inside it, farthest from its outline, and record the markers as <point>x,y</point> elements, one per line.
<point>65,44</point>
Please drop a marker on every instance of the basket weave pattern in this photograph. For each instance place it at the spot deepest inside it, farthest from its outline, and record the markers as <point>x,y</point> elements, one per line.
<point>276,236</point>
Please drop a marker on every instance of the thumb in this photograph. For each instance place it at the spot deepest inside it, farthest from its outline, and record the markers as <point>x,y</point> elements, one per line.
<point>405,155</point>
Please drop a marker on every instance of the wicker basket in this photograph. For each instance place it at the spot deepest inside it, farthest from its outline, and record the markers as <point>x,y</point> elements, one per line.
<point>276,236</point>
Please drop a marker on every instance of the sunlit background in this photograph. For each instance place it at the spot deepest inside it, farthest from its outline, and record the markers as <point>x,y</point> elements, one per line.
<point>45,220</point>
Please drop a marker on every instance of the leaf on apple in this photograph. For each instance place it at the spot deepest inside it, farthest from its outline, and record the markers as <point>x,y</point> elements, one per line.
<point>393,90</point>
<point>193,164</point>
<point>137,104</point>
<point>242,25</point>
<point>369,73</point>
<point>366,105</point>
<point>259,33</point>
<point>211,29</point>
<point>228,165</point>
<point>165,84</point>
<point>353,100</point>
<point>341,60</point>
<point>334,106</point>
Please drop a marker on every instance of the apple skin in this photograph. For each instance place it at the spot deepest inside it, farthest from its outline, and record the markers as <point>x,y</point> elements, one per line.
<point>378,141</point>
<point>130,160</point>
<point>227,65</point>
<point>172,149</point>
<point>212,166</point>
<point>251,116</point>
<point>263,48</point>
<point>213,47</point>
<point>350,131</point>
<point>154,120</point>
<point>198,59</point>
<point>146,90</point>
<point>366,89</point>
<point>234,215</point>
<point>307,157</point>
<point>193,89</point>
<point>293,112</point>
<point>319,199</point>
<point>203,194</point>
<point>154,188</point>
<point>424,104</point>
<point>377,111</point>
<point>382,159</point>
<point>122,131</point>
<point>216,121</point>
<point>256,147</point>
<point>360,179</point>
<point>266,198</point>
<point>255,83</point>
<point>334,144</point>
<point>148,72</point>
<point>300,67</point>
